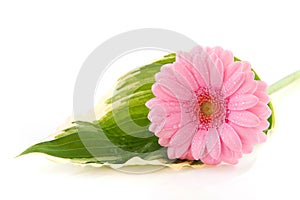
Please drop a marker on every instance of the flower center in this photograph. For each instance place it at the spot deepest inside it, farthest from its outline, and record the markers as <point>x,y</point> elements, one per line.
<point>207,108</point>
<point>210,108</point>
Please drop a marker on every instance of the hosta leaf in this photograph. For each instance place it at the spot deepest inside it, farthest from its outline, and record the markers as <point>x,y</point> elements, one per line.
<point>105,139</point>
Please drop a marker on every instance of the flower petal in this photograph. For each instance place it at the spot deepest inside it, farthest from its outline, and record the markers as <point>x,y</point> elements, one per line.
<point>261,110</point>
<point>180,92</point>
<point>242,102</point>
<point>262,137</point>
<point>163,93</point>
<point>261,92</point>
<point>230,156</point>
<point>244,118</point>
<point>183,135</point>
<point>182,139</point>
<point>198,144</point>
<point>247,135</point>
<point>163,141</point>
<point>230,138</point>
<point>185,76</point>
<point>210,160</point>
<point>233,83</point>
<point>219,64</point>
<point>249,86</point>
<point>233,68</point>
<point>212,143</point>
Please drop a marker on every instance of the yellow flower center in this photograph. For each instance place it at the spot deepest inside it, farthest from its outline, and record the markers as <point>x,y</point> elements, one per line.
<point>207,108</point>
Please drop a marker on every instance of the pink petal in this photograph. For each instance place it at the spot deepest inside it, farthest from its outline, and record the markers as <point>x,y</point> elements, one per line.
<point>166,133</point>
<point>212,143</point>
<point>249,86</point>
<point>244,118</point>
<point>247,148</point>
<point>264,124</point>
<point>183,135</point>
<point>230,70</point>
<point>230,156</point>
<point>156,127</point>
<point>210,160</point>
<point>242,102</point>
<point>246,67</point>
<point>224,55</point>
<point>187,155</point>
<point>163,93</point>
<point>182,139</point>
<point>230,138</point>
<point>152,102</point>
<point>163,141</point>
<point>157,114</point>
<point>206,68</point>
<point>261,110</point>
<point>201,67</point>
<point>247,135</point>
<point>216,151</point>
<point>198,77</point>
<point>263,97</point>
<point>180,92</point>
<point>157,117</point>
<point>218,63</point>
<point>262,86</point>
<point>233,83</point>
<point>187,60</point>
<point>262,137</point>
<point>198,144</point>
<point>181,72</point>
<point>171,152</point>
<point>172,122</point>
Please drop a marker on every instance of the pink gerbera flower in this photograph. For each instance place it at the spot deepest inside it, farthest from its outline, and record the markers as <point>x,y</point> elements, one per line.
<point>208,107</point>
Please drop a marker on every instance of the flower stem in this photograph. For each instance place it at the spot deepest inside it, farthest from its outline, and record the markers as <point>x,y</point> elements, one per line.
<point>283,82</point>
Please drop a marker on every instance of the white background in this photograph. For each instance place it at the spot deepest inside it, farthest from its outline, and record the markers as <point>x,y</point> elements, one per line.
<point>43,45</point>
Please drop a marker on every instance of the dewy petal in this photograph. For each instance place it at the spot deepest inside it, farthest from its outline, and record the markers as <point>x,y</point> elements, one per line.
<point>210,160</point>
<point>233,68</point>
<point>172,121</point>
<point>163,141</point>
<point>182,139</point>
<point>247,135</point>
<point>261,110</point>
<point>181,72</point>
<point>242,102</point>
<point>169,72</point>
<point>218,63</point>
<point>212,143</point>
<point>230,156</point>
<point>162,93</point>
<point>180,92</point>
<point>207,69</point>
<point>249,86</point>
<point>230,138</point>
<point>157,114</point>
<point>244,118</point>
<point>200,65</point>
<point>262,96</point>
<point>198,144</point>
<point>183,134</point>
<point>262,137</point>
<point>233,83</point>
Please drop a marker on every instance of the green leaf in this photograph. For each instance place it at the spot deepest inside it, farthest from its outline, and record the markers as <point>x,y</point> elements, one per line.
<point>107,139</point>
<point>92,145</point>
